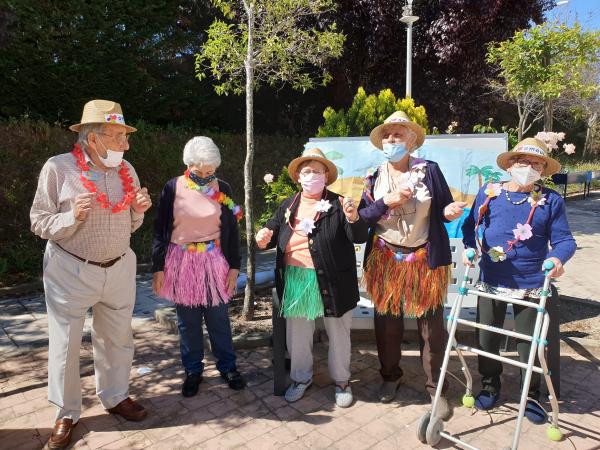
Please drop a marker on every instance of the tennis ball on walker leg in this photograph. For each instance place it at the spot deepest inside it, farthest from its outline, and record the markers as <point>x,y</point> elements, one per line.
<point>553,433</point>
<point>468,401</point>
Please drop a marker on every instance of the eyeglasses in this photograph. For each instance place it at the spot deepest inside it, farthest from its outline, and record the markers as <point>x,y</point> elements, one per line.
<point>521,162</point>
<point>117,137</point>
<point>309,171</point>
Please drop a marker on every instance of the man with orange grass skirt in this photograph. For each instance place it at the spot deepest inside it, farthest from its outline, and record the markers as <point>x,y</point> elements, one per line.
<point>407,258</point>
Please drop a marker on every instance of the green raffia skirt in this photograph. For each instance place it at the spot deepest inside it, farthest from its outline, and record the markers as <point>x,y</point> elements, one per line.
<point>301,294</point>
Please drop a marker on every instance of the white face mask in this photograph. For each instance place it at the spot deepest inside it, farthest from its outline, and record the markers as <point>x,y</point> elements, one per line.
<point>524,176</point>
<point>112,158</point>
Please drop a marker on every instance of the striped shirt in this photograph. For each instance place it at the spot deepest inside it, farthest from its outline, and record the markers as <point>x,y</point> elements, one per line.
<point>102,236</point>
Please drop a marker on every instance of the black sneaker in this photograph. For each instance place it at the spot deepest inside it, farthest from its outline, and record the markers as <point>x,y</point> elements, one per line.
<point>234,380</point>
<point>190,385</point>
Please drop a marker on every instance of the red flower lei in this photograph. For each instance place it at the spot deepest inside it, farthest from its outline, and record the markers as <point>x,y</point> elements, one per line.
<point>126,181</point>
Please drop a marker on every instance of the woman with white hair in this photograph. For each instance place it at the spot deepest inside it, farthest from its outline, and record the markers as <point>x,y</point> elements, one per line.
<point>407,258</point>
<point>196,260</point>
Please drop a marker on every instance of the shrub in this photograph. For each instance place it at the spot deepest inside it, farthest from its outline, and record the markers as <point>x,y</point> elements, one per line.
<point>368,111</point>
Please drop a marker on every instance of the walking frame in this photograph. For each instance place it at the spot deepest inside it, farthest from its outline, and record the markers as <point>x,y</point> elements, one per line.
<point>431,427</point>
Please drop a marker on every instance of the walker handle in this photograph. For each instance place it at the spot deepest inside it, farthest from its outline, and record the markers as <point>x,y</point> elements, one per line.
<point>548,266</point>
<point>470,253</point>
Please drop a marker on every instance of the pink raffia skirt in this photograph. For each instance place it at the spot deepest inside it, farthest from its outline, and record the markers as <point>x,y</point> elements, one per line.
<point>196,274</point>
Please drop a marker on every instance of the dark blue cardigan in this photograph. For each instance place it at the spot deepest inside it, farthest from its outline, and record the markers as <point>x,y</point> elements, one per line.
<point>438,245</point>
<point>163,228</point>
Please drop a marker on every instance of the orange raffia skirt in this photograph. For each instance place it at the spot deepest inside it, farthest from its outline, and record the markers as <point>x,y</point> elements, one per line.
<point>403,283</point>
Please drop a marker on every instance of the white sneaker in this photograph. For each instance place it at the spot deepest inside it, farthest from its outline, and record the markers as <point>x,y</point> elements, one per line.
<point>296,391</point>
<point>343,397</point>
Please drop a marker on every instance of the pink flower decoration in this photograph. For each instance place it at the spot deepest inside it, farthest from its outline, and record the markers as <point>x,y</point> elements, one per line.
<point>410,257</point>
<point>522,232</point>
<point>493,190</point>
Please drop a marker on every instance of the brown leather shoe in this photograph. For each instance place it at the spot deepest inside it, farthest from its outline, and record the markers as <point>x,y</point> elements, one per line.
<point>61,435</point>
<point>129,410</point>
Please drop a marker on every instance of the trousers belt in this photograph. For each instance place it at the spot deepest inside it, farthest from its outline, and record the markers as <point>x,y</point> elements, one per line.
<point>401,249</point>
<point>104,265</point>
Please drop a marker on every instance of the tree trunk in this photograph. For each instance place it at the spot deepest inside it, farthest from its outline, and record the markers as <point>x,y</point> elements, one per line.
<point>248,311</point>
<point>590,133</point>
<point>548,114</point>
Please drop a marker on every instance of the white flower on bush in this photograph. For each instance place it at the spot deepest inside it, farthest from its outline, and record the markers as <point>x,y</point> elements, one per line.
<point>569,148</point>
<point>268,178</point>
<point>550,138</point>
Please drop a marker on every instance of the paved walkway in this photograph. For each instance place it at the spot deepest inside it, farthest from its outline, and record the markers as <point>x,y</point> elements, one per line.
<point>581,278</point>
<point>255,419</point>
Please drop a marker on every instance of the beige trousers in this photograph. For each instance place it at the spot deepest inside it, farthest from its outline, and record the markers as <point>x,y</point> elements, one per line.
<point>299,339</point>
<point>71,288</point>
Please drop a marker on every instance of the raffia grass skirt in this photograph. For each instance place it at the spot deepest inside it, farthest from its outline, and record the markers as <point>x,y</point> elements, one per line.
<point>301,294</point>
<point>195,278</point>
<point>404,287</point>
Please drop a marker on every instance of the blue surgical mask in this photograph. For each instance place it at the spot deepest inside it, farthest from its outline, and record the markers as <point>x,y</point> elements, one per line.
<point>394,152</point>
<point>201,181</point>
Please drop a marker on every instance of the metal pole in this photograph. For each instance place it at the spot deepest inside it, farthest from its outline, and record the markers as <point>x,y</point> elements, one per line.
<point>408,19</point>
<point>409,60</point>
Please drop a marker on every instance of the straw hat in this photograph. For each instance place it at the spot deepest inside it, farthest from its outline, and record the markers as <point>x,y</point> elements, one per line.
<point>313,154</point>
<point>397,118</point>
<point>102,111</point>
<point>533,147</point>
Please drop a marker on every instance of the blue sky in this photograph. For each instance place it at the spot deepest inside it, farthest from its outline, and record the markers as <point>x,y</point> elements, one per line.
<point>586,11</point>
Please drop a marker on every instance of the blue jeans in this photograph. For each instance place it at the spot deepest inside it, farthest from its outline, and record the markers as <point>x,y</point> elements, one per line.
<point>191,339</point>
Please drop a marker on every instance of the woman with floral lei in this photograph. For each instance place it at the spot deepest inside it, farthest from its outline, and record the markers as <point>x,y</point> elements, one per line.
<point>196,260</point>
<point>514,223</point>
<point>407,259</point>
<point>316,270</point>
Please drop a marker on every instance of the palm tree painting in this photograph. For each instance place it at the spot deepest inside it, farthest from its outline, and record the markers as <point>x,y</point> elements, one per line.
<point>486,173</point>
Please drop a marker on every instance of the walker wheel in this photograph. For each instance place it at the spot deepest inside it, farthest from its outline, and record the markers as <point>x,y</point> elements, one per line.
<point>468,401</point>
<point>422,428</point>
<point>554,433</point>
<point>432,434</point>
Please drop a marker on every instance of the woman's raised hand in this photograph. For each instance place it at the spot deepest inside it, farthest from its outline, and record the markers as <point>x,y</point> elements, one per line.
<point>349,208</point>
<point>397,198</point>
<point>263,237</point>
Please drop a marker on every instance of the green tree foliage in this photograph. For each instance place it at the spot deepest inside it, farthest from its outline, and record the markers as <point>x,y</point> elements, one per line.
<point>545,62</point>
<point>55,56</point>
<point>368,111</point>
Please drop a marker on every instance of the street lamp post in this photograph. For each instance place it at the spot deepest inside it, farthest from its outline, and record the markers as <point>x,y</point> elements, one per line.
<point>408,19</point>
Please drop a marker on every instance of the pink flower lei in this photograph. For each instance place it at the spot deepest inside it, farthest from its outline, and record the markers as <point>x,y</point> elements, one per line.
<point>521,233</point>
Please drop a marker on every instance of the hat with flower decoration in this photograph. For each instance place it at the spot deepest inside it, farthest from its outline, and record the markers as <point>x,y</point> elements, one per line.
<point>529,147</point>
<point>102,111</point>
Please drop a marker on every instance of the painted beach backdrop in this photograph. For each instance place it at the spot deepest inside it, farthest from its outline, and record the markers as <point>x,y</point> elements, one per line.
<point>467,161</point>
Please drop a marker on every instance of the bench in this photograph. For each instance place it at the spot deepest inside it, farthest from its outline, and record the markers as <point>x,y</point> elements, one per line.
<point>362,318</point>
<point>564,179</point>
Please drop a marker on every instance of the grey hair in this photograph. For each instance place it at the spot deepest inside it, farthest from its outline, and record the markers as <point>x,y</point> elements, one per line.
<point>86,129</point>
<point>201,150</point>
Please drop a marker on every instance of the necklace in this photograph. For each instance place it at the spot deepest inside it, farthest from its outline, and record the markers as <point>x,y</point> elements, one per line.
<point>306,224</point>
<point>215,195</point>
<point>520,202</point>
<point>101,197</point>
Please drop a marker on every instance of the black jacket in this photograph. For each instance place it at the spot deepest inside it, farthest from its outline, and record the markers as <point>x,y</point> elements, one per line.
<point>163,228</point>
<point>332,252</point>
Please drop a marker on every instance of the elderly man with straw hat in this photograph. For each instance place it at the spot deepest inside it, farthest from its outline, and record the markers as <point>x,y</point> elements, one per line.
<point>407,258</point>
<point>517,225</point>
<point>87,204</point>
<point>315,271</point>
